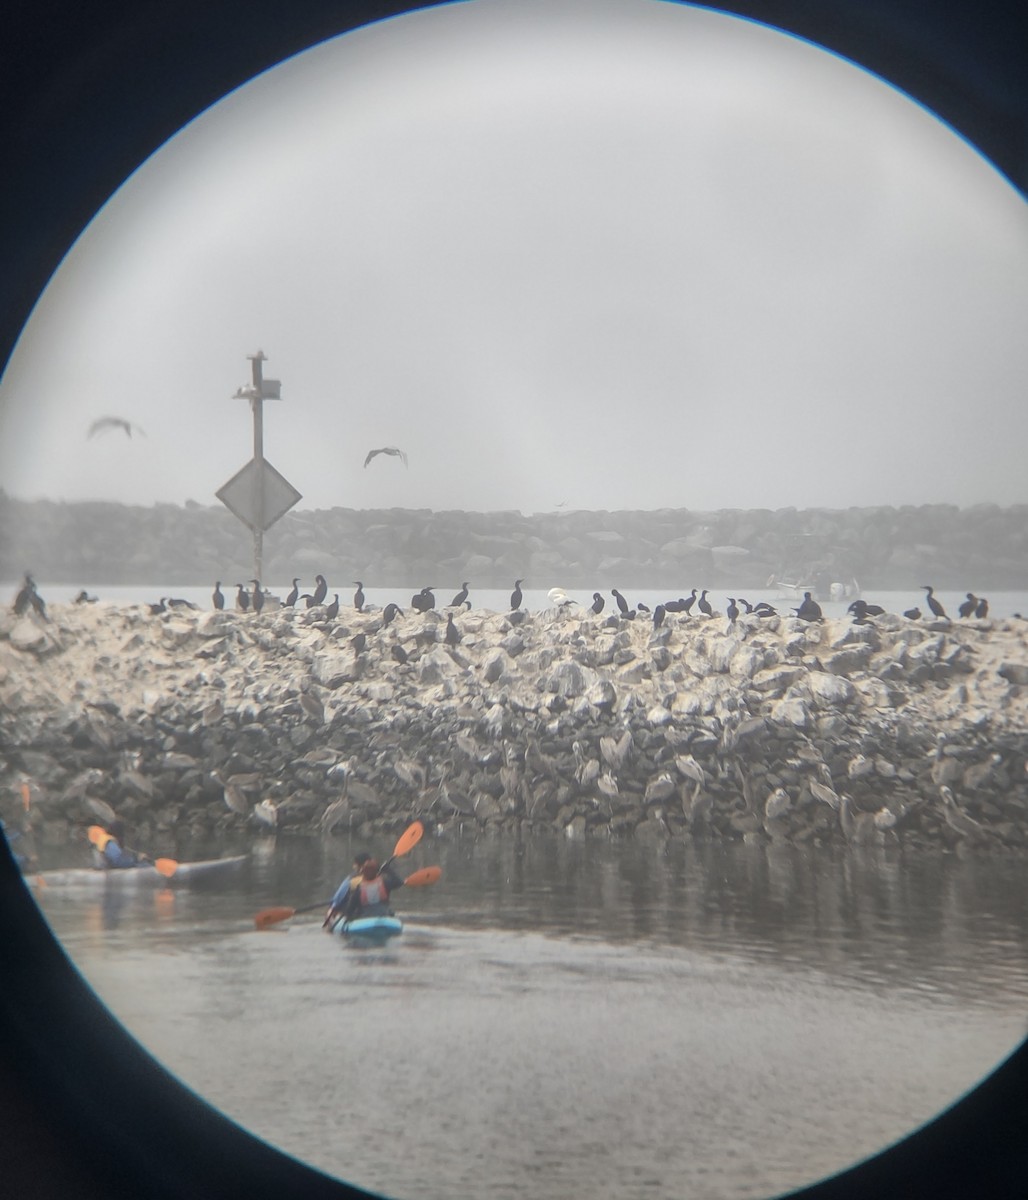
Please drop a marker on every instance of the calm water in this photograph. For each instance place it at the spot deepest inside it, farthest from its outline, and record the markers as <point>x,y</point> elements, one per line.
<point>594,1019</point>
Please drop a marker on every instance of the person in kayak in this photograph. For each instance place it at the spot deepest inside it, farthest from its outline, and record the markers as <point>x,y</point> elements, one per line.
<point>338,901</point>
<point>370,897</point>
<point>109,853</point>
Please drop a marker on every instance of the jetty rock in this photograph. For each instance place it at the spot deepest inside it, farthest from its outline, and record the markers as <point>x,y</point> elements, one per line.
<point>190,724</point>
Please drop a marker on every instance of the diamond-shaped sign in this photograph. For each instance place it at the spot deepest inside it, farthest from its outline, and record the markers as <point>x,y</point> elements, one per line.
<point>258,496</point>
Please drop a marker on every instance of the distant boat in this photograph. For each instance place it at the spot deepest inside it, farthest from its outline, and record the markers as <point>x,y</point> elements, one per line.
<point>821,587</point>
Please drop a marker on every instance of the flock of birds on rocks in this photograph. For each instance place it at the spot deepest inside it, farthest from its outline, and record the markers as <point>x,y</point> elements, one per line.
<point>255,597</point>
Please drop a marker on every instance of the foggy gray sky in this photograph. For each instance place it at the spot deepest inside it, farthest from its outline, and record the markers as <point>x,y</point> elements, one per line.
<point>601,255</point>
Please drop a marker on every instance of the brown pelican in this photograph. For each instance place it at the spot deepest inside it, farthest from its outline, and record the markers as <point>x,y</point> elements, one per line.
<point>395,451</point>
<point>103,423</point>
<point>958,820</point>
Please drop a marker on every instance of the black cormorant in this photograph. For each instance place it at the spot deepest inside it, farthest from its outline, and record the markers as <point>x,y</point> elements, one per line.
<point>390,612</point>
<point>913,614</point>
<point>359,642</point>
<point>24,599</point>
<point>333,609</point>
<point>85,598</point>
<point>217,596</point>
<point>157,609</point>
<point>460,597</point>
<point>452,635</point>
<point>809,610</point>
<point>658,616</point>
<point>242,599</point>
<point>981,608</point>
<point>258,596</point>
<point>422,601</point>
<point>515,596</point>
<point>398,652</point>
<point>969,605</point>
<point>597,604</point>
<point>704,605</point>
<point>293,596</point>
<point>933,604</point>
<point>358,596</point>
<point>321,591</point>
<point>732,610</point>
<point>622,602</point>
<point>687,605</point>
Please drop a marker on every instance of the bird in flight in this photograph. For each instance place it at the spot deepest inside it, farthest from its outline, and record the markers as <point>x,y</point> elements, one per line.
<point>393,450</point>
<point>102,423</point>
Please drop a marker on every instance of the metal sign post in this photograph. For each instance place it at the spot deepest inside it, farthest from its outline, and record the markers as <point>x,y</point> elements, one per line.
<point>257,494</point>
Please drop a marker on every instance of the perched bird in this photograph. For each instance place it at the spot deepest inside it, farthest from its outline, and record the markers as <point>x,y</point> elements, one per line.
<point>85,598</point>
<point>321,591</point>
<point>393,450</point>
<point>732,611</point>
<point>704,605</point>
<point>257,600</point>
<point>332,611</point>
<point>389,614</point>
<point>597,604</point>
<point>687,605</point>
<point>28,597</point>
<point>932,603</point>
<point>423,601</point>
<point>217,597</point>
<point>658,616</point>
<point>968,606</point>
<point>912,614</point>
<point>293,596</point>
<point>452,635</point>
<point>981,610</point>
<point>358,596</point>
<point>359,642</point>
<point>460,597</point>
<point>621,602</point>
<point>158,608</point>
<point>104,423</point>
<point>242,599</point>
<point>398,652</point>
<point>176,602</point>
<point>809,610</point>
<point>763,609</point>
<point>516,596</point>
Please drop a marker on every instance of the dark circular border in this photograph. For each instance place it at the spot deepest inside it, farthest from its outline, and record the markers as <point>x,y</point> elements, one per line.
<point>87,92</point>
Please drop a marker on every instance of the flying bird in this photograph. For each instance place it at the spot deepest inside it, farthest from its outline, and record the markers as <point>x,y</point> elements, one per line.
<point>102,423</point>
<point>393,450</point>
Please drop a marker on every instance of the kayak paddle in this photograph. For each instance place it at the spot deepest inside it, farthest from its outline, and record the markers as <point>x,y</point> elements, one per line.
<point>406,843</point>
<point>423,877</point>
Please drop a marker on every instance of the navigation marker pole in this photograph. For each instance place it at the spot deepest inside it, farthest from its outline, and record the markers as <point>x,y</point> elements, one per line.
<point>258,495</point>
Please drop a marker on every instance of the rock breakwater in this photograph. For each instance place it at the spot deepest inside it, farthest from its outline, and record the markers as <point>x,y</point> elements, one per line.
<point>188,723</point>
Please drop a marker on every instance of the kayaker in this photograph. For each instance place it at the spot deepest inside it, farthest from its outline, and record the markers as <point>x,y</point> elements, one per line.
<point>338,901</point>
<point>110,854</point>
<point>370,897</point>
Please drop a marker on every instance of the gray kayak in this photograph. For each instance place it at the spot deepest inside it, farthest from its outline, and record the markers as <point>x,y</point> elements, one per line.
<point>134,877</point>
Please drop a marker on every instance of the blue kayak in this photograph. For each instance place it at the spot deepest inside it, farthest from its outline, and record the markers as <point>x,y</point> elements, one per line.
<point>369,931</point>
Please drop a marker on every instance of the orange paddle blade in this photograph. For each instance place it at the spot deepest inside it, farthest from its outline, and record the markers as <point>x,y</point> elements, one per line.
<point>272,916</point>
<point>423,877</point>
<point>166,866</point>
<point>409,839</point>
<point>26,796</point>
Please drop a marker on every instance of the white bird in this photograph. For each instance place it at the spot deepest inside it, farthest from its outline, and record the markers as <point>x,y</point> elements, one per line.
<point>103,423</point>
<point>266,813</point>
<point>395,451</point>
<point>607,784</point>
<point>662,787</point>
<point>691,769</point>
<point>616,751</point>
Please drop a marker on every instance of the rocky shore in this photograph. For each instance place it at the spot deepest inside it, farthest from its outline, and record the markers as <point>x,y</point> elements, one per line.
<point>188,723</point>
